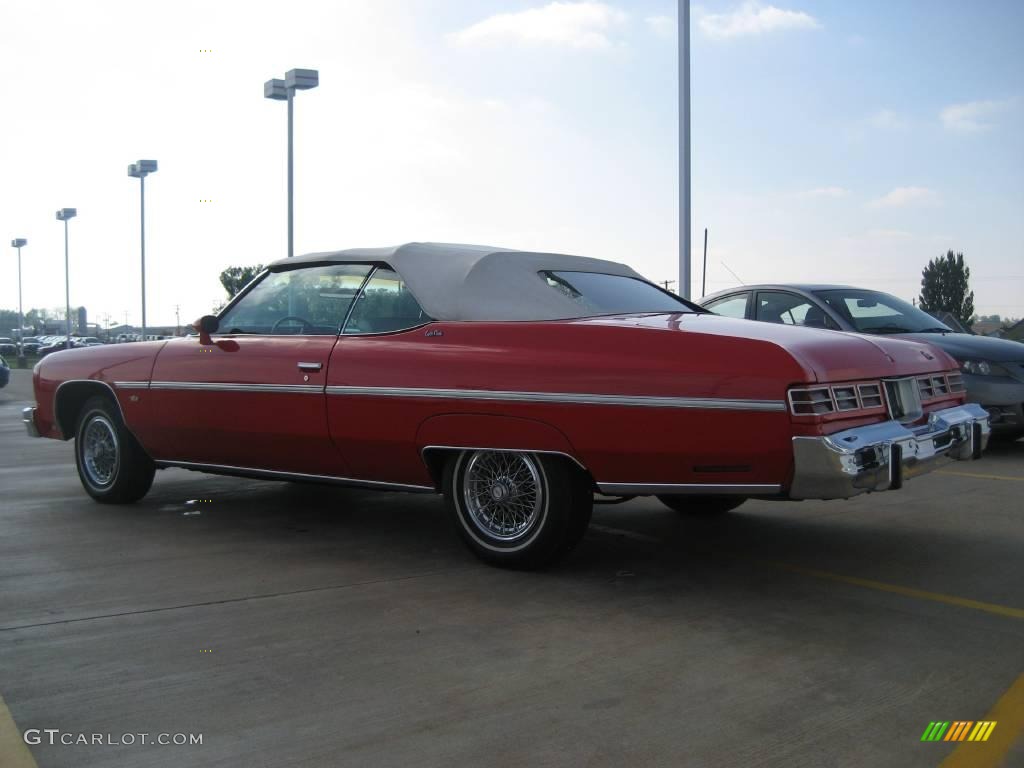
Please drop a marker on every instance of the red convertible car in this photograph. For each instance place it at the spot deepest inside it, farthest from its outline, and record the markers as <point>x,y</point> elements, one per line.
<point>517,384</point>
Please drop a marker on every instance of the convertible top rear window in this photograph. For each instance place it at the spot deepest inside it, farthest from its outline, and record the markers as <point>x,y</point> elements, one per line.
<point>598,293</point>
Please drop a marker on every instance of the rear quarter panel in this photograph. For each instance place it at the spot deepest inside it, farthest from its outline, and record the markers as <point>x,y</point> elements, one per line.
<point>382,437</point>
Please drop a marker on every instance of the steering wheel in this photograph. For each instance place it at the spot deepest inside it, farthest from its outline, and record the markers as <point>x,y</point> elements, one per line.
<point>305,323</point>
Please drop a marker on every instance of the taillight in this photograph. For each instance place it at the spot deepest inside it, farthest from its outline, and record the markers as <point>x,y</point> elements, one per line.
<point>811,401</point>
<point>847,398</point>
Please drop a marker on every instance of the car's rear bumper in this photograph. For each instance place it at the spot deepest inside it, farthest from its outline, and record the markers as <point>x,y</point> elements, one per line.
<point>28,418</point>
<point>879,457</point>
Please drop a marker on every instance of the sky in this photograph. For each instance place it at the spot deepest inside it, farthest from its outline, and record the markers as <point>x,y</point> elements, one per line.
<point>832,141</point>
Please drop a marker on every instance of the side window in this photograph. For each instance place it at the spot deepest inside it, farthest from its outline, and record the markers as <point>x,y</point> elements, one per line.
<point>791,309</point>
<point>385,305</point>
<point>308,301</point>
<point>730,306</point>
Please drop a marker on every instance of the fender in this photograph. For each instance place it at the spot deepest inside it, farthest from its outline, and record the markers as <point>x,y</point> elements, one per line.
<point>453,431</point>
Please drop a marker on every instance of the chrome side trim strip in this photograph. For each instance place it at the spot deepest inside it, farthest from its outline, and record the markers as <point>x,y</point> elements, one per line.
<point>272,474</point>
<point>723,489</point>
<point>230,387</point>
<point>574,398</point>
<point>131,384</point>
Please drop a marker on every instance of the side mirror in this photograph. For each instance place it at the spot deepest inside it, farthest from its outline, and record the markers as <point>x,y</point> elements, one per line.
<point>206,325</point>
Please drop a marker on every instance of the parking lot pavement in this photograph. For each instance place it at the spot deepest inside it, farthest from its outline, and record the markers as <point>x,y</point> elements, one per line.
<point>296,625</point>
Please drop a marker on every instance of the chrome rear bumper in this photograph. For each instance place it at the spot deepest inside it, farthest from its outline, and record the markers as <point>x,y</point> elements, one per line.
<point>28,418</point>
<point>879,457</point>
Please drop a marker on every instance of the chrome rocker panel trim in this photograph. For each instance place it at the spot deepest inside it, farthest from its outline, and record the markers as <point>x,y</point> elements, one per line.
<point>272,474</point>
<point>689,489</point>
<point>878,457</point>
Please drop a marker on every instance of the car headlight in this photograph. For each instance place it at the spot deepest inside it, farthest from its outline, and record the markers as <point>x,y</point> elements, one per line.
<point>983,368</point>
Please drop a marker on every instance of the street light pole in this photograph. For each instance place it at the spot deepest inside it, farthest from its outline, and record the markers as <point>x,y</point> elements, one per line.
<point>19,243</point>
<point>65,215</point>
<point>291,173</point>
<point>140,171</point>
<point>684,149</point>
<point>284,90</point>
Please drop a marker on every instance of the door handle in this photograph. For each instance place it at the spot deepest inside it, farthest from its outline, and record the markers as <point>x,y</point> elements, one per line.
<point>310,366</point>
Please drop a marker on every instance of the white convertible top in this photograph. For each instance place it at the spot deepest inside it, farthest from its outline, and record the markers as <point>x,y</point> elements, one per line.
<point>475,282</point>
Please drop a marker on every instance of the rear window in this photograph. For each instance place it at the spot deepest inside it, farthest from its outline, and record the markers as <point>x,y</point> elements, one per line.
<point>602,294</point>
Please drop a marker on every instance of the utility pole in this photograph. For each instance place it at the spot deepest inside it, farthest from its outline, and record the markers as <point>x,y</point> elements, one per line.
<point>177,320</point>
<point>667,283</point>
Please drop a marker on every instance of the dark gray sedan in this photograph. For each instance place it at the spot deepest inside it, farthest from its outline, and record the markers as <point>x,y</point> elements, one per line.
<point>993,369</point>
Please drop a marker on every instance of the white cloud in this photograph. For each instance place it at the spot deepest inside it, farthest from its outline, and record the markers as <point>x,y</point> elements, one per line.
<point>903,196</point>
<point>753,18</point>
<point>972,116</point>
<point>887,120</point>
<point>832,192</point>
<point>570,24</point>
<point>662,26</point>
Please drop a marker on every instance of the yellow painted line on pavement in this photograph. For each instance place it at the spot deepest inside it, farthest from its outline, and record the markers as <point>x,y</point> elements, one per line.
<point>920,594</point>
<point>978,475</point>
<point>1008,713</point>
<point>13,752</point>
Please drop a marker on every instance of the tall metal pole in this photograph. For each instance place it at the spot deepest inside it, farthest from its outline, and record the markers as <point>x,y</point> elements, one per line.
<point>67,287</point>
<point>291,220</point>
<point>142,230</point>
<point>684,149</point>
<point>21,318</point>
<point>704,273</point>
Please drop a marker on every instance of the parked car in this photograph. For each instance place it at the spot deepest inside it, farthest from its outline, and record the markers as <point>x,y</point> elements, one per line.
<point>8,347</point>
<point>5,372</point>
<point>55,345</point>
<point>517,384</point>
<point>992,369</point>
<point>31,345</point>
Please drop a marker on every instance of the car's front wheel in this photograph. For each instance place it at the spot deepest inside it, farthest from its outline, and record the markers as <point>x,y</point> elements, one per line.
<point>702,506</point>
<point>516,509</point>
<point>111,464</point>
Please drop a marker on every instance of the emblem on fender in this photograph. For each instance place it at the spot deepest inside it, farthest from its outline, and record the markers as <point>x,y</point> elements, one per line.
<point>435,332</point>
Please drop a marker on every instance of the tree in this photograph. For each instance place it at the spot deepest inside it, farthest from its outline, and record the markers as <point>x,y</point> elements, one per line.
<point>944,287</point>
<point>235,279</point>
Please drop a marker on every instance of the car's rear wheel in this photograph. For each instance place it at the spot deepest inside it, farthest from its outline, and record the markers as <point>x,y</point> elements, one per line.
<point>516,509</point>
<point>111,464</point>
<point>702,506</point>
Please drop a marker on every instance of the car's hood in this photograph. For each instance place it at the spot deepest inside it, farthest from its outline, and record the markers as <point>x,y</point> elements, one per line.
<point>829,355</point>
<point>963,346</point>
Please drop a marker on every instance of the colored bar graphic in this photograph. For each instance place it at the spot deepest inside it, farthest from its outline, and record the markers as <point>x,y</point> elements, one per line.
<point>934,731</point>
<point>958,730</point>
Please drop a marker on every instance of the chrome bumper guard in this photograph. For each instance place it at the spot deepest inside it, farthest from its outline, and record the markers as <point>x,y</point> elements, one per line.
<point>28,418</point>
<point>879,457</point>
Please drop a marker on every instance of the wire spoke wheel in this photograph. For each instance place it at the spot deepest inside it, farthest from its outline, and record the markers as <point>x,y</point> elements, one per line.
<point>100,451</point>
<point>503,494</point>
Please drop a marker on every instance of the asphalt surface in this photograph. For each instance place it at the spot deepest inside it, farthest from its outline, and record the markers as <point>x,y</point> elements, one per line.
<point>304,626</point>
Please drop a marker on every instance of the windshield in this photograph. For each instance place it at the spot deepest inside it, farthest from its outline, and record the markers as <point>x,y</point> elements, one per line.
<point>598,293</point>
<point>876,312</point>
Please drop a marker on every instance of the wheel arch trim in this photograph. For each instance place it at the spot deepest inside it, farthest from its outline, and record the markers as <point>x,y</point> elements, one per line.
<point>436,471</point>
<point>59,418</point>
